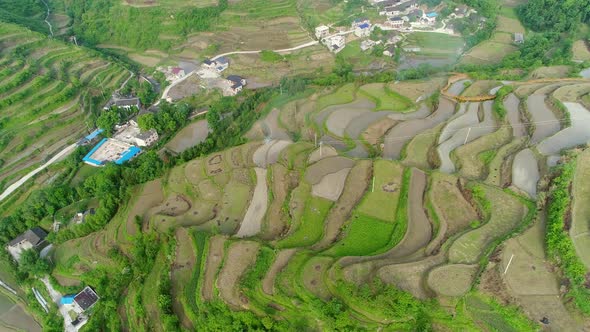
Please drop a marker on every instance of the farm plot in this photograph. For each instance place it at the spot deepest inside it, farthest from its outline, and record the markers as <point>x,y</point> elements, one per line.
<point>580,228</point>
<point>512,103</point>
<point>313,275</point>
<point>420,150</point>
<point>400,134</point>
<point>252,222</point>
<point>181,273</point>
<point>462,276</point>
<point>331,185</point>
<point>316,172</point>
<point>506,213</point>
<point>455,134</point>
<point>411,277</point>
<point>343,95</point>
<point>471,158</point>
<point>319,154</point>
<point>525,172</point>
<point>458,87</point>
<point>189,136</point>
<point>240,255</point>
<point>499,169</point>
<point>384,98</point>
<point>418,90</point>
<point>150,196</point>
<point>357,183</point>
<point>576,134</point>
<point>212,264</point>
<point>269,153</point>
<point>572,92</point>
<point>452,217</point>
<point>281,260</point>
<point>281,183</point>
<point>341,116</point>
<point>381,201</point>
<point>546,124</point>
<point>359,124</point>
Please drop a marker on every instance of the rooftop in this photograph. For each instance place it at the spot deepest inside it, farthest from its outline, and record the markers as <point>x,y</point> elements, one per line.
<point>235,78</point>
<point>86,298</point>
<point>432,14</point>
<point>111,150</point>
<point>222,60</point>
<point>146,134</point>
<point>364,26</point>
<point>35,236</point>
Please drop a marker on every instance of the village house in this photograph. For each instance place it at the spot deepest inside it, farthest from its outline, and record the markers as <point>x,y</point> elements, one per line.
<point>367,45</point>
<point>82,301</point>
<point>119,102</point>
<point>222,64</point>
<point>389,51</point>
<point>146,138</point>
<point>412,49</point>
<point>33,238</point>
<point>461,11</point>
<point>209,64</point>
<point>395,22</point>
<point>363,30</point>
<point>236,84</point>
<point>518,38</point>
<point>321,32</point>
<point>393,40</point>
<point>360,21</point>
<point>430,18</point>
<point>335,43</point>
<point>177,73</point>
<point>403,7</point>
<point>80,217</point>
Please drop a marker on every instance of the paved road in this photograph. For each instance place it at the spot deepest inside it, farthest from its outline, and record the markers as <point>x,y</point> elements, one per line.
<point>21,181</point>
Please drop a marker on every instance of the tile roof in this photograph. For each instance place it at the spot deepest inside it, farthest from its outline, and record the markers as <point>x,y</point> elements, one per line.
<point>35,236</point>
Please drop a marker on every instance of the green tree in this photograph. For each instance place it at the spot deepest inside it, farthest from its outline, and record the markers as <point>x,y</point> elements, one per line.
<point>147,121</point>
<point>31,265</point>
<point>108,119</point>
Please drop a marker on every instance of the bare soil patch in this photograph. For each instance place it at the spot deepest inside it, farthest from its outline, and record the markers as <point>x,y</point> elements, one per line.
<point>151,196</point>
<point>240,256</point>
<point>317,171</point>
<point>324,152</point>
<point>313,276</point>
<point>331,186</point>
<point>276,221</point>
<point>174,206</point>
<point>189,136</point>
<point>342,115</point>
<point>418,89</point>
<point>525,172</point>
<point>374,132</point>
<point>359,124</point>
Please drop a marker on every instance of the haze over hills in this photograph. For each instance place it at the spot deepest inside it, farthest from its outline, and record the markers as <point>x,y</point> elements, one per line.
<point>294,165</point>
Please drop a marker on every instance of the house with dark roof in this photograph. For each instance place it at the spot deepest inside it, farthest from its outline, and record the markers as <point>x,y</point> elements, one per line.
<point>33,238</point>
<point>360,21</point>
<point>236,84</point>
<point>126,103</point>
<point>146,138</point>
<point>221,64</point>
<point>85,300</point>
<point>518,38</point>
<point>395,22</point>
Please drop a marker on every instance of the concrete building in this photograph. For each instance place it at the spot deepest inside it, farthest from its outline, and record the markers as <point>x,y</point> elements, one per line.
<point>236,84</point>
<point>85,300</point>
<point>222,64</point>
<point>518,38</point>
<point>122,102</point>
<point>395,22</point>
<point>33,238</point>
<point>363,30</point>
<point>335,43</point>
<point>146,138</point>
<point>321,32</point>
<point>367,45</point>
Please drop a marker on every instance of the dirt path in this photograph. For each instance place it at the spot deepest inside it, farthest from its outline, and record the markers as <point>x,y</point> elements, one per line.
<point>47,18</point>
<point>252,222</point>
<point>284,50</point>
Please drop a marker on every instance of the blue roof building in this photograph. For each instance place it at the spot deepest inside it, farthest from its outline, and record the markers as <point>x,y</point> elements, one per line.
<point>432,14</point>
<point>364,26</point>
<point>67,299</point>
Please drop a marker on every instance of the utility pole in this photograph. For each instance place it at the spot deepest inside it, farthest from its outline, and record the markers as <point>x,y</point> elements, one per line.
<point>373,185</point>
<point>321,143</point>
<point>467,136</point>
<point>315,140</point>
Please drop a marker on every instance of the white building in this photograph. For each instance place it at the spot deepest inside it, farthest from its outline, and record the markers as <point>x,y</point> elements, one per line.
<point>395,22</point>
<point>236,84</point>
<point>335,43</point>
<point>363,30</point>
<point>321,32</point>
<point>146,138</point>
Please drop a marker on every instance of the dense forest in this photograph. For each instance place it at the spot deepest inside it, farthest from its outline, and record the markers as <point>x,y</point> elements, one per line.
<point>554,15</point>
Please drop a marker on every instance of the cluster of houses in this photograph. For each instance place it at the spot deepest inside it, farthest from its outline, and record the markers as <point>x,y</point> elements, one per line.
<point>212,68</point>
<point>119,101</point>
<point>334,43</point>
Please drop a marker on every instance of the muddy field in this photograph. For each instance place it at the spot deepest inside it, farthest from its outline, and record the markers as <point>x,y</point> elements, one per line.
<point>189,136</point>
<point>319,170</point>
<point>580,228</point>
<point>525,172</point>
<point>281,260</point>
<point>512,103</point>
<point>324,152</point>
<point>410,277</point>
<point>331,185</point>
<point>546,124</point>
<point>340,116</point>
<point>574,135</point>
<point>399,135</point>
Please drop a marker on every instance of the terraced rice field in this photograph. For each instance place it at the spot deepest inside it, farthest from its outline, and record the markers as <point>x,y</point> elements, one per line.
<point>45,95</point>
<point>301,227</point>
